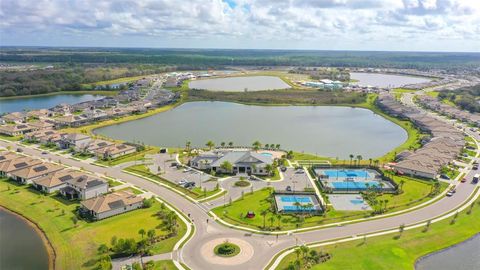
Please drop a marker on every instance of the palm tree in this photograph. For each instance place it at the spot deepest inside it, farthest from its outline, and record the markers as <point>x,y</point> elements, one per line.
<point>210,144</point>
<point>256,145</point>
<point>141,232</point>
<point>400,186</point>
<point>271,219</point>
<point>230,144</point>
<point>187,146</point>
<point>264,214</point>
<point>223,144</point>
<point>370,161</point>
<point>269,168</point>
<point>279,219</point>
<point>351,159</point>
<point>277,146</point>
<point>359,159</point>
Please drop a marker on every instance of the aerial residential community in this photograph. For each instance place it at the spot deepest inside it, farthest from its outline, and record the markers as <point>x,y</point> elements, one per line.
<point>238,135</point>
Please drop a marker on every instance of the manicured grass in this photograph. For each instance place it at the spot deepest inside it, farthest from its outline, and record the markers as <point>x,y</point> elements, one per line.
<point>415,191</point>
<point>10,138</point>
<point>432,93</point>
<point>82,156</point>
<point>132,190</point>
<point>165,265</point>
<point>113,183</point>
<point>391,252</point>
<point>76,246</point>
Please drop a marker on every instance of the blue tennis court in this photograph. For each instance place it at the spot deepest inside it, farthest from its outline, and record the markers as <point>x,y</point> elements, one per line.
<point>346,173</point>
<point>354,185</point>
<point>296,199</point>
<point>297,203</point>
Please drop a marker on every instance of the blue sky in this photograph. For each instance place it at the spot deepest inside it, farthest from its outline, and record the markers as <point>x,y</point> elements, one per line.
<point>412,25</point>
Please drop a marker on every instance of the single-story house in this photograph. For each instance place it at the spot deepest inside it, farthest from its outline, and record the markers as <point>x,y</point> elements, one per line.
<point>15,117</point>
<point>16,130</point>
<point>114,151</point>
<point>28,174</point>
<point>12,165</point>
<point>55,181</point>
<point>111,204</point>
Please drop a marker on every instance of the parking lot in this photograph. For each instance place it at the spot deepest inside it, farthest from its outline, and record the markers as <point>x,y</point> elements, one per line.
<point>170,172</point>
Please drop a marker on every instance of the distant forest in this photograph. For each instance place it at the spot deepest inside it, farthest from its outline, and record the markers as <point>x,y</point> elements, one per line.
<point>75,68</point>
<point>465,98</point>
<point>202,58</point>
<point>69,77</point>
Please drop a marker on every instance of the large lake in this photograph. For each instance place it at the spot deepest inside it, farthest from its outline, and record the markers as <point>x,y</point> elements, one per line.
<point>20,245</point>
<point>323,130</point>
<point>385,80</point>
<point>43,102</point>
<point>239,84</point>
<point>465,256</point>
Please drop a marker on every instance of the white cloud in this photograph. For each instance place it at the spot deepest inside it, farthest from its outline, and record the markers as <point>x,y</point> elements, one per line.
<point>253,23</point>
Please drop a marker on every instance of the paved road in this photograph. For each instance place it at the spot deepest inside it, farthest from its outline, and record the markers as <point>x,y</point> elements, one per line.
<point>264,246</point>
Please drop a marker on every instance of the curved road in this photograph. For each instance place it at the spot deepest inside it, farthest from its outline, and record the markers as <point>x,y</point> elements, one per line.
<point>264,246</point>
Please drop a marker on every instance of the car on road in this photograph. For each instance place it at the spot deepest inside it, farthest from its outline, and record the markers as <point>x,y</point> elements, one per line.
<point>19,150</point>
<point>475,178</point>
<point>464,179</point>
<point>301,171</point>
<point>44,153</point>
<point>450,193</point>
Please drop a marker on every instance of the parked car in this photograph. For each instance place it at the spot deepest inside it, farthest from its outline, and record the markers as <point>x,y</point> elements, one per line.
<point>300,172</point>
<point>44,153</point>
<point>182,182</point>
<point>289,188</point>
<point>444,176</point>
<point>464,179</point>
<point>187,169</point>
<point>19,150</point>
<point>189,185</point>
<point>283,169</point>
<point>173,164</point>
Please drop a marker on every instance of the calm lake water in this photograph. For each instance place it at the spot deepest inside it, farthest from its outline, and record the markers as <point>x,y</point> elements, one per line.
<point>324,130</point>
<point>42,102</point>
<point>385,80</point>
<point>239,84</point>
<point>21,248</point>
<point>465,256</point>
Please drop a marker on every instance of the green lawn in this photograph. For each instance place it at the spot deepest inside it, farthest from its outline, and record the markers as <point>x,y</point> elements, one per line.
<point>76,246</point>
<point>165,265</point>
<point>388,252</point>
<point>415,191</point>
<point>132,190</point>
<point>10,138</point>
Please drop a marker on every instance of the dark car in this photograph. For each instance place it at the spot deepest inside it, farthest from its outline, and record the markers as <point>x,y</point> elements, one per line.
<point>283,169</point>
<point>19,150</point>
<point>289,188</point>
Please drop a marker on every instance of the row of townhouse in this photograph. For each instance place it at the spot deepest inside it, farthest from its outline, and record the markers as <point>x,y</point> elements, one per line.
<point>450,111</point>
<point>442,148</point>
<point>96,201</point>
<point>65,115</point>
<point>102,149</point>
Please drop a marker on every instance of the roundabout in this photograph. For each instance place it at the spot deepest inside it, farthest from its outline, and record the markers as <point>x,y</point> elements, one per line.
<point>227,251</point>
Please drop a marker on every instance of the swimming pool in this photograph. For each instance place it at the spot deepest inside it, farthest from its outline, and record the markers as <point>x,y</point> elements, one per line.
<point>354,185</point>
<point>357,201</point>
<point>346,173</point>
<point>267,154</point>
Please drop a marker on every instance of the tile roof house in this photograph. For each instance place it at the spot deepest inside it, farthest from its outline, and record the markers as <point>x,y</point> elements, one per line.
<point>97,144</point>
<point>84,187</point>
<point>55,181</point>
<point>111,204</point>
<point>114,151</point>
<point>28,174</point>
<point>248,162</point>
<point>21,162</point>
<point>71,121</point>
<point>15,117</point>
<point>16,130</point>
